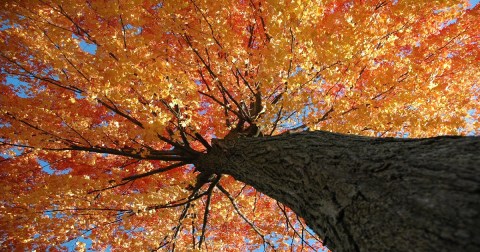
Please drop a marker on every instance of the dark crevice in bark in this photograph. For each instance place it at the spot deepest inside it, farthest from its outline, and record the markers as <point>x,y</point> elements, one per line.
<point>362,193</point>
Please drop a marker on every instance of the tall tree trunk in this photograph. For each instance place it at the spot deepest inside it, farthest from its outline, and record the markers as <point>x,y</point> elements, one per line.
<point>362,193</point>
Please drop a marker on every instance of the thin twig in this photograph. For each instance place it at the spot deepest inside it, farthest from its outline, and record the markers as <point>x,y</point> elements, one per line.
<point>159,170</point>
<point>253,226</point>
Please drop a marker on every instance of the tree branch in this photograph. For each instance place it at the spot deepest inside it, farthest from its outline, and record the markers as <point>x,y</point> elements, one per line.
<point>207,209</point>
<point>235,206</point>
<point>160,170</point>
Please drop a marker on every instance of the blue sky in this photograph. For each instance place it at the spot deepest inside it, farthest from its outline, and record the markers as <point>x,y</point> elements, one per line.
<point>90,48</point>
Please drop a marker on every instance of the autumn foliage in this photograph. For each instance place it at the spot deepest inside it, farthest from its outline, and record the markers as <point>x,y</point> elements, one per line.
<point>105,106</point>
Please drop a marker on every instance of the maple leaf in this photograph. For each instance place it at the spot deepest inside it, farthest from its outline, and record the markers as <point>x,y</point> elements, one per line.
<point>107,107</point>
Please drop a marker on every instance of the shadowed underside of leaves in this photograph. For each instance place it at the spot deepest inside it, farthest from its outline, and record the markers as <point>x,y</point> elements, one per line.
<point>105,106</point>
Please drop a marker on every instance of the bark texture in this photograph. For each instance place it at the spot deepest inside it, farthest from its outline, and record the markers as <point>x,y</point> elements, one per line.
<point>362,193</point>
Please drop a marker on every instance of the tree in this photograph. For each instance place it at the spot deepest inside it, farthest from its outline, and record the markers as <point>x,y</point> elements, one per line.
<point>182,124</point>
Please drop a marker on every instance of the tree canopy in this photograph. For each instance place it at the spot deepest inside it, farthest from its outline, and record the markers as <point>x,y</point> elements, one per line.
<point>106,105</point>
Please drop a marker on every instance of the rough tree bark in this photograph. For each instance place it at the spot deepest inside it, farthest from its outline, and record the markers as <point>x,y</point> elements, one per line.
<point>362,193</point>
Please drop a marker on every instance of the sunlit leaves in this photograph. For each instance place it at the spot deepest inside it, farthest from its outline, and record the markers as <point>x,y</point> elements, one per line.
<point>90,89</point>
